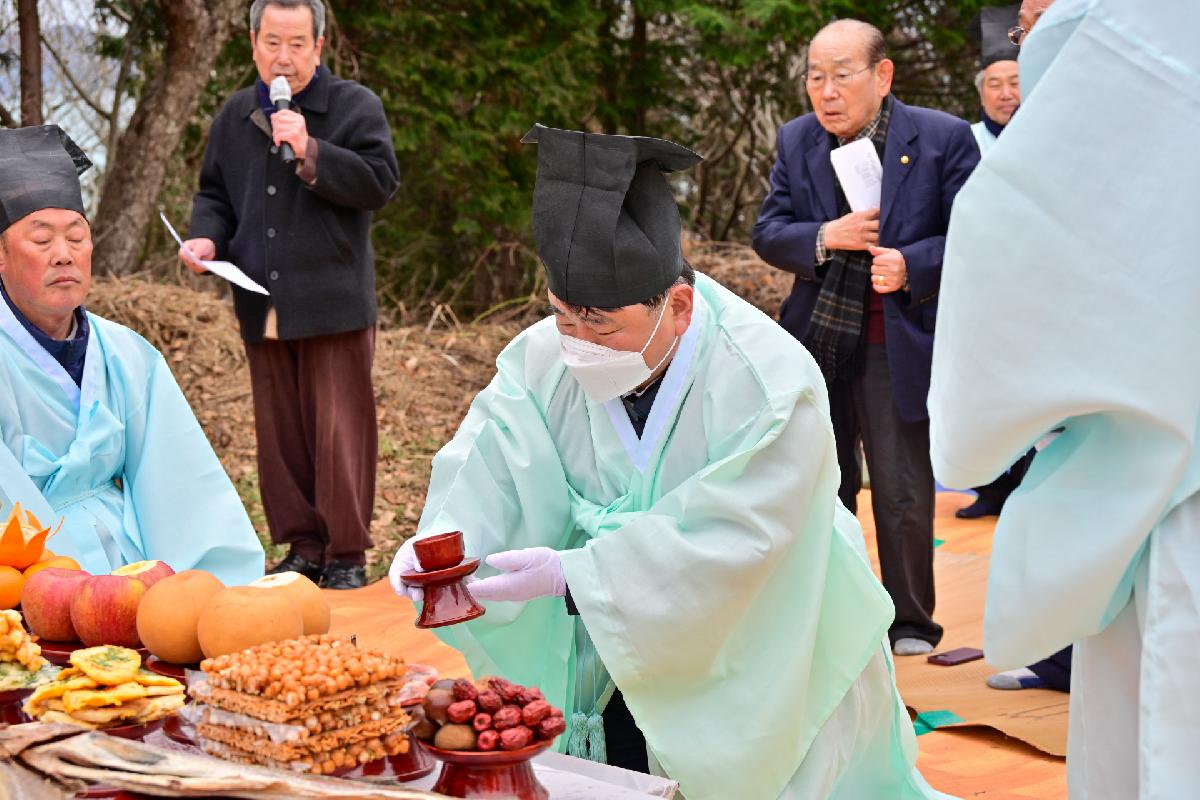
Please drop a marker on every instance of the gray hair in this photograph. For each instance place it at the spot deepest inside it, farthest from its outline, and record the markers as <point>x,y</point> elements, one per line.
<point>979,82</point>
<point>315,6</point>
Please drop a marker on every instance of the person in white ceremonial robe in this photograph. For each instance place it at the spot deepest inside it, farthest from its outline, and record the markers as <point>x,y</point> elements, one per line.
<point>94,430</point>
<point>1083,218</point>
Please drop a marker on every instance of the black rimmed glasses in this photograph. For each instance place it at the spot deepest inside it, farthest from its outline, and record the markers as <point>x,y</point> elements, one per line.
<point>841,79</point>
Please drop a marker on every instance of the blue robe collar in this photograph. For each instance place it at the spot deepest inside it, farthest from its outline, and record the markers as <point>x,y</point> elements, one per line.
<point>994,128</point>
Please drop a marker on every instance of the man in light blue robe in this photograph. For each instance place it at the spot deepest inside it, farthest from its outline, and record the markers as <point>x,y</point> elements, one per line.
<point>93,428</point>
<point>1070,299</point>
<point>723,594</point>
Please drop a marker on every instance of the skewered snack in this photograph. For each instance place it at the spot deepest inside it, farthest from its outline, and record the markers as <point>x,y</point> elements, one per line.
<point>317,703</point>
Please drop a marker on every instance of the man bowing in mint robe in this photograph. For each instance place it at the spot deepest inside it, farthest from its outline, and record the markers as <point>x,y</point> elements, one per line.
<point>652,477</point>
<point>93,428</point>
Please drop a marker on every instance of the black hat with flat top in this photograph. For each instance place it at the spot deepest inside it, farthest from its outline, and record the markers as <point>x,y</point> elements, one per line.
<point>990,28</point>
<point>39,168</point>
<point>605,222</point>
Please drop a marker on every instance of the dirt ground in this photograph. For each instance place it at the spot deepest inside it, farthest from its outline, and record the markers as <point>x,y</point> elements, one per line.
<point>425,377</point>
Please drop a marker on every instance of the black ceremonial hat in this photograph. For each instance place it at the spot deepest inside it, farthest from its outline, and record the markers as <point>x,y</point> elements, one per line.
<point>39,168</point>
<point>990,28</point>
<point>605,223</point>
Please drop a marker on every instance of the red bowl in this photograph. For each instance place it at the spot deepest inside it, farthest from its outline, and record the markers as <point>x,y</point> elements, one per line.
<point>489,774</point>
<point>439,552</point>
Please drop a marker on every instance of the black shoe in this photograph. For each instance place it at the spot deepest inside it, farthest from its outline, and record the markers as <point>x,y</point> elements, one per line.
<point>294,563</point>
<point>980,508</point>
<point>340,575</point>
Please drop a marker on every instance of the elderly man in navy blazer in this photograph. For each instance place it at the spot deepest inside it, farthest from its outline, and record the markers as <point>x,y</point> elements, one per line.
<point>865,296</point>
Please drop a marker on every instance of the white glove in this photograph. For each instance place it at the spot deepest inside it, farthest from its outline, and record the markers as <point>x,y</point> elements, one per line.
<point>406,561</point>
<point>528,574</point>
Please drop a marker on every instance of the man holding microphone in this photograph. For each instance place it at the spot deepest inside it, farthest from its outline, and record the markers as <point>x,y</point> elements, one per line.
<point>287,190</point>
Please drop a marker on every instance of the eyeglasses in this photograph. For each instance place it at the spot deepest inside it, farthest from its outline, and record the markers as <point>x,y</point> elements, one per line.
<point>815,80</point>
<point>1016,34</point>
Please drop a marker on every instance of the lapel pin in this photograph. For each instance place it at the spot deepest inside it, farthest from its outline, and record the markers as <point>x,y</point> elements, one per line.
<point>903,159</point>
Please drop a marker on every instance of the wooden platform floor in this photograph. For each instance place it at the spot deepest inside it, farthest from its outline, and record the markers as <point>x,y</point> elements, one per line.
<point>975,762</point>
<point>966,763</point>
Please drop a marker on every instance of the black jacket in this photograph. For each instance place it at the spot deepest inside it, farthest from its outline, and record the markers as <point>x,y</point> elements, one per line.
<point>308,245</point>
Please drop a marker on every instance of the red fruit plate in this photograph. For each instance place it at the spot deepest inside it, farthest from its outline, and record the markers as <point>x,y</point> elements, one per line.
<point>410,766</point>
<point>168,670</point>
<point>178,730</point>
<point>489,774</point>
<point>59,653</point>
<point>135,732</point>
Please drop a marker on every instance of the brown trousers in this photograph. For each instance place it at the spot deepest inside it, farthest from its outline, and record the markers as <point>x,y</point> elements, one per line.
<point>314,416</point>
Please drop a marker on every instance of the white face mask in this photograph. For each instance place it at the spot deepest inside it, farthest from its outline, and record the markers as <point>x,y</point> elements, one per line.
<point>605,373</point>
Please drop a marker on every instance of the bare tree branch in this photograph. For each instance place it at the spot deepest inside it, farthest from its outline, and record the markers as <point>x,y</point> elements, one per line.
<point>66,72</point>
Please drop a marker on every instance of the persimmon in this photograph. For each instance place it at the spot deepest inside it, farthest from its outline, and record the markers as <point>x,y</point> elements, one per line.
<point>11,582</point>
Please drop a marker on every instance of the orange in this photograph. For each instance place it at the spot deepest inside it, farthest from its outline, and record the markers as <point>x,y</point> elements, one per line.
<point>11,581</point>
<point>61,562</point>
<point>47,553</point>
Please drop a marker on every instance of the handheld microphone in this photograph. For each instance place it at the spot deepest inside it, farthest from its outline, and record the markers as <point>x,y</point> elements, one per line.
<point>281,98</point>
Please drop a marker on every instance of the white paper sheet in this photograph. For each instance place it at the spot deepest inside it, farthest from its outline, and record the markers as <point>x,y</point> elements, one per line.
<point>222,269</point>
<point>859,172</point>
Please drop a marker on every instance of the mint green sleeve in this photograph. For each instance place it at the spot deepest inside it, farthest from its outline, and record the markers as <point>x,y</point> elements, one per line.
<point>735,590</point>
<point>500,481</point>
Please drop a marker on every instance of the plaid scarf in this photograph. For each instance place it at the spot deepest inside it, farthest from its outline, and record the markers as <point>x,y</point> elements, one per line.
<point>835,331</point>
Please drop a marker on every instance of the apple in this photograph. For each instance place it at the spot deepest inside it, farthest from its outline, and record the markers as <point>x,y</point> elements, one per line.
<point>46,602</point>
<point>148,572</point>
<point>104,610</point>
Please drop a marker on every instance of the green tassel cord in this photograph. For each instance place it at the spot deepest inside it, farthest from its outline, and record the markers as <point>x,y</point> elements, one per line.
<point>587,738</point>
<point>597,746</point>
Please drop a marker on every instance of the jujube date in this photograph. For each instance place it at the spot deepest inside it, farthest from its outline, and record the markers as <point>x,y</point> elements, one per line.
<point>533,713</point>
<point>462,711</point>
<point>515,738</point>
<point>507,717</point>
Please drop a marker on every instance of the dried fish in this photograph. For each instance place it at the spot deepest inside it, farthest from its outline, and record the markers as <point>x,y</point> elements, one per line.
<point>96,758</point>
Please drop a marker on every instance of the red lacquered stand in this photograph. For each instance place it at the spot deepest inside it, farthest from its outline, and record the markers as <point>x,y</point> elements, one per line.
<point>491,774</point>
<point>447,601</point>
